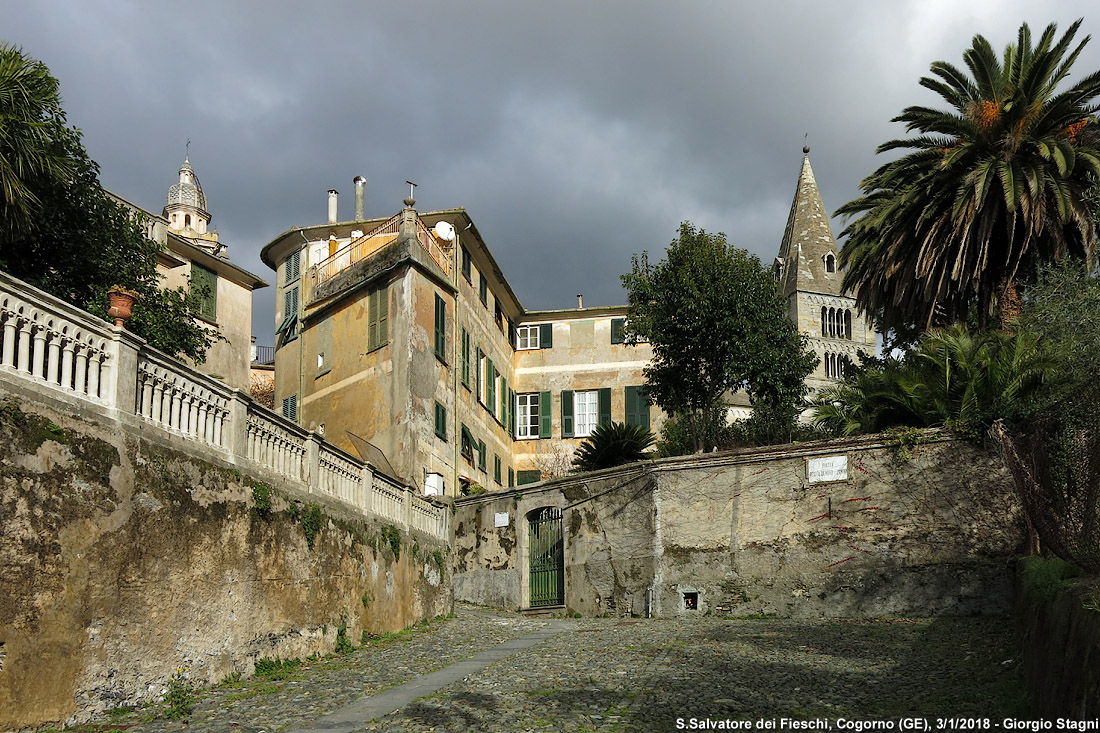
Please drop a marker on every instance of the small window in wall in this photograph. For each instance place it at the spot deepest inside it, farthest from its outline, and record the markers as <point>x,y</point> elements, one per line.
<point>483,289</point>
<point>467,266</point>
<point>378,318</point>
<point>527,337</point>
<point>527,409</point>
<point>290,408</point>
<point>440,328</point>
<point>496,469</point>
<point>292,268</point>
<point>187,220</point>
<point>830,262</point>
<point>617,325</point>
<point>467,444</point>
<point>204,283</point>
<point>691,601</point>
<point>440,421</point>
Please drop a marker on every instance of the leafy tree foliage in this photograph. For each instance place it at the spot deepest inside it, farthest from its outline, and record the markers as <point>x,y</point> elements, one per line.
<point>613,444</point>
<point>69,237</point>
<point>716,324</point>
<point>30,109</point>
<point>950,377</point>
<point>988,190</point>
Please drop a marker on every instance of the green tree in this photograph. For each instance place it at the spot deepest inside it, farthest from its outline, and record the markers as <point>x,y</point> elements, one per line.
<point>987,191</point>
<point>613,444</point>
<point>30,112</point>
<point>73,240</point>
<point>716,323</point>
<point>949,377</point>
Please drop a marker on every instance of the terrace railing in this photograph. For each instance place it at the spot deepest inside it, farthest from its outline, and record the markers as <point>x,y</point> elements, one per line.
<point>50,348</point>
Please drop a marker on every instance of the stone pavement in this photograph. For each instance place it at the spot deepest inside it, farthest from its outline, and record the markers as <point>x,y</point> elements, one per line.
<point>513,673</point>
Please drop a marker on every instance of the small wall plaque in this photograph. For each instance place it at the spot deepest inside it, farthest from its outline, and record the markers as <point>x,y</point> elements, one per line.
<point>501,519</point>
<point>829,468</point>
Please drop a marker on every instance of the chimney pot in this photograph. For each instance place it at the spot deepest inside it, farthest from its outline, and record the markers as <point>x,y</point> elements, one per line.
<point>360,184</point>
<point>332,197</point>
<point>580,300</point>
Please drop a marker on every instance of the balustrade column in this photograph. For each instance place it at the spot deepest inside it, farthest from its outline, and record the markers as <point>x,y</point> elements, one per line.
<point>93,374</point>
<point>80,370</point>
<point>158,401</point>
<point>7,358</point>
<point>146,396</point>
<point>38,358</point>
<point>53,357</point>
<point>23,362</point>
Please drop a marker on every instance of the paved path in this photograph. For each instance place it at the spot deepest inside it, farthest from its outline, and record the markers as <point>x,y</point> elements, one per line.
<point>494,671</point>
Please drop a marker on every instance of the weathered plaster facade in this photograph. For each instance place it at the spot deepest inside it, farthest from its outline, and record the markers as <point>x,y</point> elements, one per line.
<point>518,390</point>
<point>753,532</point>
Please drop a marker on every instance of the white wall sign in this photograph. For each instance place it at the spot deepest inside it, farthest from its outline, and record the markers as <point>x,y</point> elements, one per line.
<point>501,519</point>
<point>830,468</point>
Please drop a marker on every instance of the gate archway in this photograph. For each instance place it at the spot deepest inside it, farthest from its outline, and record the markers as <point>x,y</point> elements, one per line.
<point>546,555</point>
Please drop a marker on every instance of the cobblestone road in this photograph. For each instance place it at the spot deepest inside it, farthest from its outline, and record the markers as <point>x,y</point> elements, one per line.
<point>643,675</point>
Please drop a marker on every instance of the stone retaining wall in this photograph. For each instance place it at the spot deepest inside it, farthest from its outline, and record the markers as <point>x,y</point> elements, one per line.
<point>123,558</point>
<point>925,529</point>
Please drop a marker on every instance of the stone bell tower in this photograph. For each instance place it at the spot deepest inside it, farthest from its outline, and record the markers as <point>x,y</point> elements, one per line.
<point>186,212</point>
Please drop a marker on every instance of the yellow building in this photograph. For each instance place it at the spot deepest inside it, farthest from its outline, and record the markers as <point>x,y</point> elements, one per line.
<point>402,340</point>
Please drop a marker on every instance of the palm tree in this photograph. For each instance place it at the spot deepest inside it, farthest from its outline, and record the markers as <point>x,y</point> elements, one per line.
<point>988,190</point>
<point>613,444</point>
<point>30,118</point>
<point>951,376</point>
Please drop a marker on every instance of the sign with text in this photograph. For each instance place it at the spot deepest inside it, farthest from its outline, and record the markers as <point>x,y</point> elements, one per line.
<point>501,519</point>
<point>829,468</point>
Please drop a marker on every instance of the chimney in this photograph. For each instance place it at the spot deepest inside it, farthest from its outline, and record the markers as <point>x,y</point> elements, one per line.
<point>580,300</point>
<point>332,194</point>
<point>360,183</point>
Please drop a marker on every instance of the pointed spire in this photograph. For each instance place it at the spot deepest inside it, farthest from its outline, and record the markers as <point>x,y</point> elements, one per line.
<point>807,254</point>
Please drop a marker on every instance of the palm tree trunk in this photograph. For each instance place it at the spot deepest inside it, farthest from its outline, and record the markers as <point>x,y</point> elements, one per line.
<point>1009,304</point>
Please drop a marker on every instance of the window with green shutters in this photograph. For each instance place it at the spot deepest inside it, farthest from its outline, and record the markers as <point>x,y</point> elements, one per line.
<point>490,386</point>
<point>583,410</point>
<point>440,329</point>
<point>465,357</point>
<point>378,318</point>
<point>292,268</point>
<point>527,424</point>
<point>204,282</point>
<point>289,327</point>
<point>290,408</point>
<point>483,289</point>
<point>467,268</point>
<point>467,443</point>
<point>481,455</point>
<point>503,414</point>
<point>479,375</point>
<point>617,330</point>
<point>511,477</point>
<point>546,335</point>
<point>441,421</point>
<point>637,407</point>
<point>544,415</point>
<point>496,469</point>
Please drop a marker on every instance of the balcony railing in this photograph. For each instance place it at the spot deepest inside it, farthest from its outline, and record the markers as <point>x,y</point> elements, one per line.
<point>51,349</point>
<point>374,240</point>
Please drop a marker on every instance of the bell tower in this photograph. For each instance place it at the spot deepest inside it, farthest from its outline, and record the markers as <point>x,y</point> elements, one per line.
<point>186,212</point>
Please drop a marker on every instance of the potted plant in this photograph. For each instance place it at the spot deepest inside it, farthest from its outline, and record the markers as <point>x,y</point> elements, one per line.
<point>122,304</point>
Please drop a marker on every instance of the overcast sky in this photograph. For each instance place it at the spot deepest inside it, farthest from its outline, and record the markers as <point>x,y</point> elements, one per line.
<point>575,133</point>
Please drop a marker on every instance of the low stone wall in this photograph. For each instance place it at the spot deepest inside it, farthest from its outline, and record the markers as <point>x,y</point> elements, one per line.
<point>123,558</point>
<point>1060,633</point>
<point>922,529</point>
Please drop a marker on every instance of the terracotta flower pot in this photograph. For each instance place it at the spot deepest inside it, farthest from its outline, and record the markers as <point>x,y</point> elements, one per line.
<point>122,304</point>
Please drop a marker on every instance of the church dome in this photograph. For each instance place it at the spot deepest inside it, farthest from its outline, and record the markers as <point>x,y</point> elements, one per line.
<point>188,192</point>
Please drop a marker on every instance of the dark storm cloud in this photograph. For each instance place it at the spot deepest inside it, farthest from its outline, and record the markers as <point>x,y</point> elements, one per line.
<point>575,133</point>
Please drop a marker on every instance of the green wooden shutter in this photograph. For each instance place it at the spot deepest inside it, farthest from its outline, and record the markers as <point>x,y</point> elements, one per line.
<point>567,413</point>
<point>477,373</point>
<point>528,477</point>
<point>481,455</point>
<point>637,407</point>
<point>383,316</point>
<point>378,307</point>
<point>617,330</point>
<point>490,386</point>
<point>440,328</point>
<point>546,336</point>
<point>496,469</point>
<point>441,421</point>
<point>604,403</point>
<point>504,401</point>
<point>205,281</point>
<point>511,477</point>
<point>465,357</point>
<point>544,415</point>
<point>372,320</point>
<point>512,413</point>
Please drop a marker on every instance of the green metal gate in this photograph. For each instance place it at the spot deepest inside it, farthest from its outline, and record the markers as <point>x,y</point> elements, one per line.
<point>546,558</point>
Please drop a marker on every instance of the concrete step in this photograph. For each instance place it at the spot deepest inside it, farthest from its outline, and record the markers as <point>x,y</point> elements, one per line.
<point>543,611</point>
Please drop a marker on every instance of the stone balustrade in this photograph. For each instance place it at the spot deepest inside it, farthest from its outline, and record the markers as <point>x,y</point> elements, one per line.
<point>51,348</point>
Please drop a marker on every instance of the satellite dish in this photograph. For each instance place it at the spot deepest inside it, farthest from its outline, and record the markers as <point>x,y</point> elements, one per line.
<point>444,231</point>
